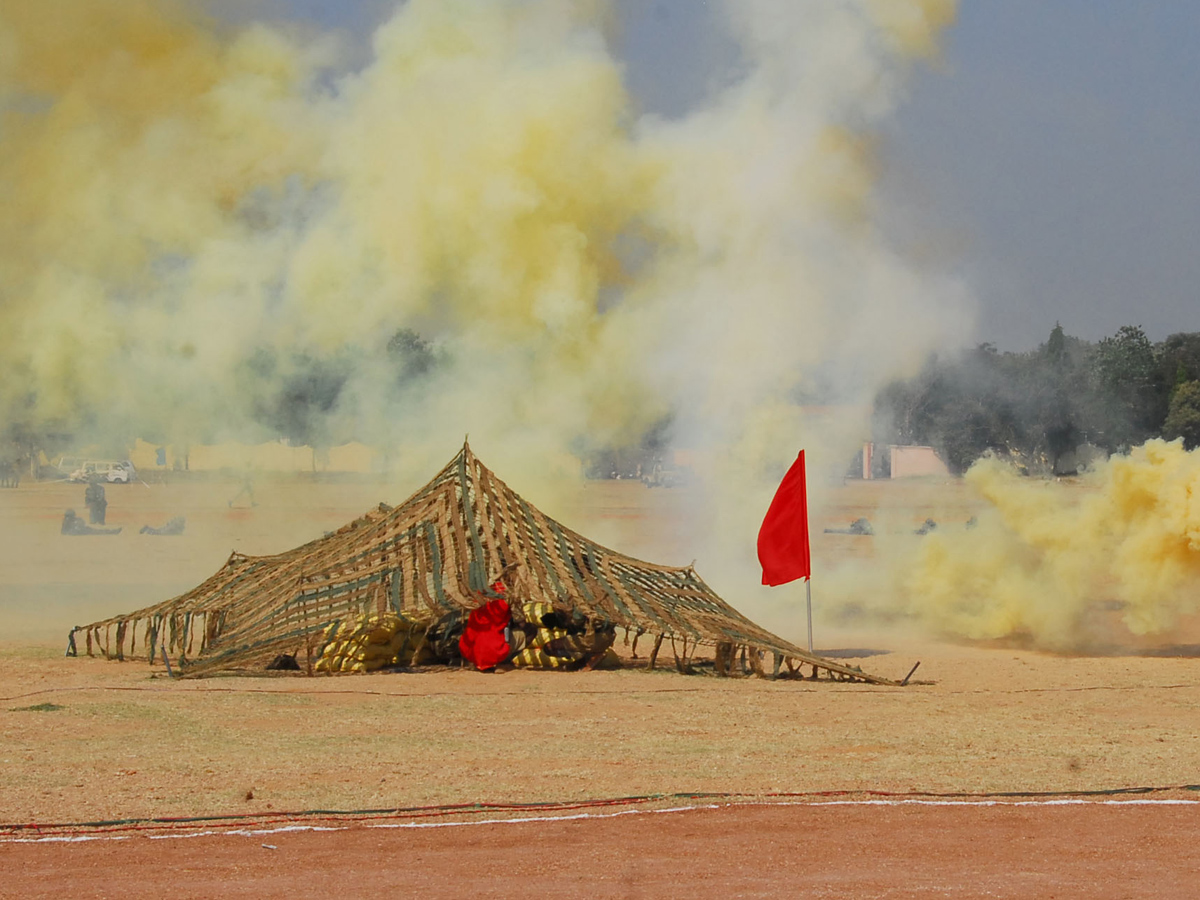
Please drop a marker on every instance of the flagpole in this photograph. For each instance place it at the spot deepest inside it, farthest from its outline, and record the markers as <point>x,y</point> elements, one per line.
<point>808,604</point>
<point>783,547</point>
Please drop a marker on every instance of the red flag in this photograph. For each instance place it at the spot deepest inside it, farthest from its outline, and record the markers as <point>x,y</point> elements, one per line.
<point>783,539</point>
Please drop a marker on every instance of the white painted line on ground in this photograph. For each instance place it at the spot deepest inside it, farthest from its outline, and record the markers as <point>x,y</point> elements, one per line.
<point>527,820</point>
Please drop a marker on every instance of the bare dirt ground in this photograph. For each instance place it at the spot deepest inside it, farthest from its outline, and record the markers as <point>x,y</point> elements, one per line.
<point>86,740</point>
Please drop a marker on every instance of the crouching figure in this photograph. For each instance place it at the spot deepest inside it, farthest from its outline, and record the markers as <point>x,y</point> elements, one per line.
<point>75,526</point>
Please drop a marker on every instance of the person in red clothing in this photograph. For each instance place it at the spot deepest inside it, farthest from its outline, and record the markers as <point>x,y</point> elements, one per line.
<point>487,639</point>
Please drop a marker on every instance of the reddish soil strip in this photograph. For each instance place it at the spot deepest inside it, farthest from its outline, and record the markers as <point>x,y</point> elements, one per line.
<point>1085,850</point>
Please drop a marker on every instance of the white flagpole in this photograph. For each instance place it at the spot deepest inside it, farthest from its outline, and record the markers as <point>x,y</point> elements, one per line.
<point>808,603</point>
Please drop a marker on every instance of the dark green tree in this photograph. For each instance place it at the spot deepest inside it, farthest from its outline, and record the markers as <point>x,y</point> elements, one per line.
<point>1183,419</point>
<point>1127,357</point>
<point>1131,406</point>
<point>1056,347</point>
<point>1051,383</point>
<point>411,356</point>
<point>955,406</point>
<point>1178,362</point>
<point>294,395</point>
<point>1041,404</point>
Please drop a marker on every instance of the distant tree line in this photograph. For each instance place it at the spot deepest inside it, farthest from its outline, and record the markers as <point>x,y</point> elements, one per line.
<point>296,394</point>
<point>1042,405</point>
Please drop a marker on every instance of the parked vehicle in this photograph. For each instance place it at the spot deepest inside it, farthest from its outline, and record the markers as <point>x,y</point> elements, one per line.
<point>112,471</point>
<point>63,466</point>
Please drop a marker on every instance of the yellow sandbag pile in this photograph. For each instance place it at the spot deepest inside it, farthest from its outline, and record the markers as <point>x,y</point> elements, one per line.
<point>370,643</point>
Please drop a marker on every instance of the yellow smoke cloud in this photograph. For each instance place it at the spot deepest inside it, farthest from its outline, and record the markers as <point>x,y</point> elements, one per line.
<point>179,200</point>
<point>130,134</point>
<point>1045,557</point>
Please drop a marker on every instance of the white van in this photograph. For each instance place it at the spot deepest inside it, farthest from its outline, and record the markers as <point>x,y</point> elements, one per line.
<point>112,471</point>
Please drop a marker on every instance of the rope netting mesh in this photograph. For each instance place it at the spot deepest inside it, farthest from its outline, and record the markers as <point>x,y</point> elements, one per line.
<point>420,560</point>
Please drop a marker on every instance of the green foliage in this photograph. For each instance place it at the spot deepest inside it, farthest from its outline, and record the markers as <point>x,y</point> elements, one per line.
<point>411,356</point>
<point>1183,419</point>
<point>1133,403</point>
<point>294,395</point>
<point>1126,357</point>
<point>957,407</point>
<point>1056,347</point>
<point>1179,360</point>
<point>1044,403</point>
<point>306,396</point>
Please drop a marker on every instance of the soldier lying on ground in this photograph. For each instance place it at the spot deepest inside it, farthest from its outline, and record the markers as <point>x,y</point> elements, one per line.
<point>174,526</point>
<point>552,638</point>
<point>75,526</point>
<point>858,526</point>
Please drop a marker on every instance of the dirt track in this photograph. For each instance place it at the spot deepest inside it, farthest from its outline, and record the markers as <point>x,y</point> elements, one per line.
<point>119,743</point>
<point>1090,851</point>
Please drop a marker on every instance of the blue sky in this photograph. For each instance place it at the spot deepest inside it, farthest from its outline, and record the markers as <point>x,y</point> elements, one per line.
<point>1051,157</point>
<point>1055,154</point>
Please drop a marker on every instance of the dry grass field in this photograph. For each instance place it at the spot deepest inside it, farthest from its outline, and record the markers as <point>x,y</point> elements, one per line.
<point>87,739</point>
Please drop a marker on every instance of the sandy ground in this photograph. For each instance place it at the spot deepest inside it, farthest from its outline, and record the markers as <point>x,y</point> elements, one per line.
<point>121,742</point>
<point>86,739</point>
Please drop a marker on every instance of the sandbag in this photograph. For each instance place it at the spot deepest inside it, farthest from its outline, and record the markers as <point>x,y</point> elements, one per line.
<point>370,643</point>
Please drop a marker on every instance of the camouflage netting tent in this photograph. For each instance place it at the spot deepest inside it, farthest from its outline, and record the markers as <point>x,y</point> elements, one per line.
<point>417,562</point>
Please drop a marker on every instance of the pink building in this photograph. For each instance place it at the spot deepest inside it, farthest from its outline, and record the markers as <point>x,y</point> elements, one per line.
<point>910,461</point>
